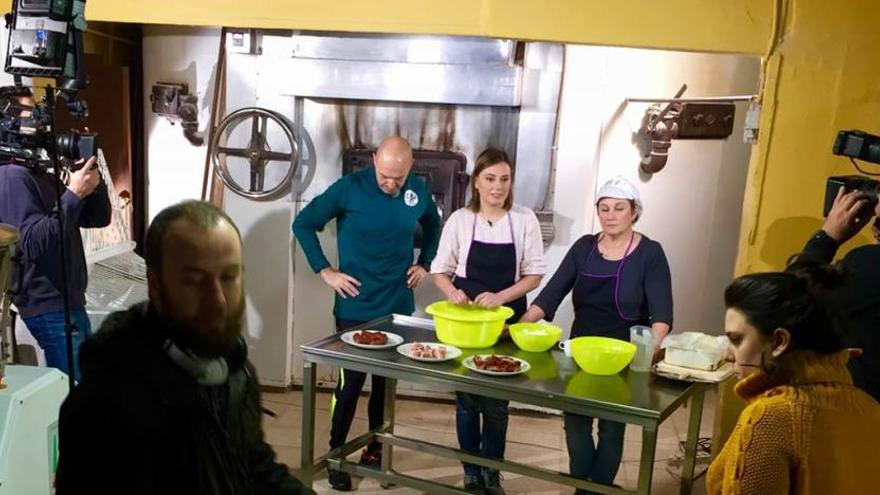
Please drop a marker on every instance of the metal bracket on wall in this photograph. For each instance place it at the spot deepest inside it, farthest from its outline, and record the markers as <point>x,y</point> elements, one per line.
<point>246,41</point>
<point>174,102</point>
<point>708,117</point>
<point>752,127</point>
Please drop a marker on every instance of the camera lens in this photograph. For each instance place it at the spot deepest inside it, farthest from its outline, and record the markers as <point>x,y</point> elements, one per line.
<point>873,154</point>
<point>870,190</point>
<point>66,144</point>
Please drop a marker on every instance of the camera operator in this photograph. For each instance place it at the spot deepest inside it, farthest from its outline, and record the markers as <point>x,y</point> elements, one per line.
<point>859,297</point>
<point>28,202</point>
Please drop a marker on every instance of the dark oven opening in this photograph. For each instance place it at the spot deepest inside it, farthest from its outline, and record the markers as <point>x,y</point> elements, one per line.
<point>443,171</point>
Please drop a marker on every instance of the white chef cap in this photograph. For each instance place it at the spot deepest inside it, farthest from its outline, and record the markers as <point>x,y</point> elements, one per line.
<point>620,188</point>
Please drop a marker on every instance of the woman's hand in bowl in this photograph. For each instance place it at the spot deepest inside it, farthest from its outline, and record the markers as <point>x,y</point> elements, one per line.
<point>458,297</point>
<point>489,300</point>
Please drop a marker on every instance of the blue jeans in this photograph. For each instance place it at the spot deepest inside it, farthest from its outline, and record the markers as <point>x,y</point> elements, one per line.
<point>48,330</point>
<point>488,442</point>
<point>596,462</point>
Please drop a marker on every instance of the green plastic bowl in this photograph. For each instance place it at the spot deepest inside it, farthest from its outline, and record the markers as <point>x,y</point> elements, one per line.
<point>602,355</point>
<point>470,327</point>
<point>535,337</point>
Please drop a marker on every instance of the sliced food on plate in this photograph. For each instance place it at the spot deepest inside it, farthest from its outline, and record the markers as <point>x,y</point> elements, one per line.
<point>498,364</point>
<point>370,337</point>
<point>427,351</point>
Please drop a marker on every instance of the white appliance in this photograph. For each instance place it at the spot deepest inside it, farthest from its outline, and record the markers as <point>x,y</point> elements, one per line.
<point>29,408</point>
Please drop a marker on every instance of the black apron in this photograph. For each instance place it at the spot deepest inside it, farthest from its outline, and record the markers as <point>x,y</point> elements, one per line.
<point>596,299</point>
<point>491,267</point>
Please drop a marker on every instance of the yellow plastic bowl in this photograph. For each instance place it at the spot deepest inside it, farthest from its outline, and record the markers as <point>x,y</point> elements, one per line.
<point>602,355</point>
<point>469,327</point>
<point>535,337</point>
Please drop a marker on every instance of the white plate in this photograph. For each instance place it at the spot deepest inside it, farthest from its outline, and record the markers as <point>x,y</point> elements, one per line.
<point>394,340</point>
<point>452,352</point>
<point>524,366</point>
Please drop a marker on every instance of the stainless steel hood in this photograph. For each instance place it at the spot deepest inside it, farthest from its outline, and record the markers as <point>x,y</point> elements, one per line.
<point>442,93</point>
<point>424,69</point>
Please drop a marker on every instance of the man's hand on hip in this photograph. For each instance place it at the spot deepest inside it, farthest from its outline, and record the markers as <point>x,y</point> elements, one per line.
<point>344,285</point>
<point>85,180</point>
<point>415,275</point>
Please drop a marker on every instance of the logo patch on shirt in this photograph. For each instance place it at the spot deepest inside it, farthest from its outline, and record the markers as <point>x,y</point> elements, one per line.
<point>410,198</point>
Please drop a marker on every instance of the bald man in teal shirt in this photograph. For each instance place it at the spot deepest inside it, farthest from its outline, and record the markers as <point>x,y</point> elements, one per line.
<point>376,212</point>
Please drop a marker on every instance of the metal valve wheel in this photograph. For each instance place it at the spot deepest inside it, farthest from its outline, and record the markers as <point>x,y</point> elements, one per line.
<point>258,153</point>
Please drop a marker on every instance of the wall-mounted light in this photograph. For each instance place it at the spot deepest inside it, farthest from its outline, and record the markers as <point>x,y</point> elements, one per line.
<point>684,118</point>
<point>173,101</point>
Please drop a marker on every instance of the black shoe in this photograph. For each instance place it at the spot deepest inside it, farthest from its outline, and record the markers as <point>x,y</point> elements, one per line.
<point>339,480</point>
<point>474,483</point>
<point>492,482</point>
<point>372,460</point>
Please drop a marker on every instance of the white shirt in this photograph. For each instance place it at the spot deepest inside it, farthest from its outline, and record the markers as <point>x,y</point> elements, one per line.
<point>455,242</point>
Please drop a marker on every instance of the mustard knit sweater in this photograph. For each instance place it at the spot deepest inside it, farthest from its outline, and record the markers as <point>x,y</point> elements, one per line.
<point>806,430</point>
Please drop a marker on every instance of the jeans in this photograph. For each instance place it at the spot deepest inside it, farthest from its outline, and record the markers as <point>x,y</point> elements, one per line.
<point>488,441</point>
<point>345,399</point>
<point>597,462</point>
<point>48,330</point>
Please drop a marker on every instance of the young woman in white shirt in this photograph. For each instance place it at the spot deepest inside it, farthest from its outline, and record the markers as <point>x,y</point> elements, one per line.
<point>490,254</point>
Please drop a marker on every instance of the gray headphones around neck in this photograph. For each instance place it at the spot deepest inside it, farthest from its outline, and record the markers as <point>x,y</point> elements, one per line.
<point>205,371</point>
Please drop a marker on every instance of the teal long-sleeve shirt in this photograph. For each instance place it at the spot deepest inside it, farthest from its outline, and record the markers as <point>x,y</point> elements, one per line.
<point>374,238</point>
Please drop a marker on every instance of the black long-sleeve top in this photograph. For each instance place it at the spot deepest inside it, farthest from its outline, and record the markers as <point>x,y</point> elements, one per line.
<point>28,203</point>
<point>859,300</point>
<point>645,293</point>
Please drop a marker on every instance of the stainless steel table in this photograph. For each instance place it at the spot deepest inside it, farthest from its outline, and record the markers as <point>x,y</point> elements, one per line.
<point>554,381</point>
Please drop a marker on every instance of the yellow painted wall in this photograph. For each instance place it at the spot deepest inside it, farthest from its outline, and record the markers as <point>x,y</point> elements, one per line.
<point>825,76</point>
<point>709,25</point>
<point>828,79</point>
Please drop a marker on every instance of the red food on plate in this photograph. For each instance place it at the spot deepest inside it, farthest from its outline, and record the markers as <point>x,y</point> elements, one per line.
<point>368,337</point>
<point>426,351</point>
<point>500,364</point>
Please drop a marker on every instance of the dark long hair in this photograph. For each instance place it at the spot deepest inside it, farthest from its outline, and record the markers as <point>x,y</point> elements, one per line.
<point>796,300</point>
<point>489,157</point>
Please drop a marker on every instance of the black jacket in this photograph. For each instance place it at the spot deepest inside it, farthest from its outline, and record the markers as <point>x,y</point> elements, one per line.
<point>28,202</point>
<point>859,299</point>
<point>139,424</point>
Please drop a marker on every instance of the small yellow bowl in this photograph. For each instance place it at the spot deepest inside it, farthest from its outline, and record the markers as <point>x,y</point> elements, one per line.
<point>535,337</point>
<point>469,327</point>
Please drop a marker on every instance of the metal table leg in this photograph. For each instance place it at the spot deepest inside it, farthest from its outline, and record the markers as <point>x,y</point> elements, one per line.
<point>387,448</point>
<point>307,456</point>
<point>646,465</point>
<point>690,455</point>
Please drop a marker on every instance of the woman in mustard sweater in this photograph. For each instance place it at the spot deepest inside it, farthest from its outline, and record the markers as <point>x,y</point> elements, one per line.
<point>806,428</point>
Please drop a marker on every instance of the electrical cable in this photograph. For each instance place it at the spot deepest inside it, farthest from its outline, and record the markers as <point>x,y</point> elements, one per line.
<point>856,165</point>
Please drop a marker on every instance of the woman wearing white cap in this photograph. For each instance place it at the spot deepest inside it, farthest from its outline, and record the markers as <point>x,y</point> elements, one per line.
<point>617,278</point>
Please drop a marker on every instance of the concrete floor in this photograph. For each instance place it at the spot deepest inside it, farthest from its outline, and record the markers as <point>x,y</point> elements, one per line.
<point>533,439</point>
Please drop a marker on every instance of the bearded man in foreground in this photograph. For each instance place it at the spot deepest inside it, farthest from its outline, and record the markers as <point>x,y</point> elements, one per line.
<point>168,402</point>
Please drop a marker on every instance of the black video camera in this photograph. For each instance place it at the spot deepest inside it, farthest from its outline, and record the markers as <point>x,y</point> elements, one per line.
<point>855,145</point>
<point>45,40</point>
<point>858,144</point>
<point>26,137</point>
